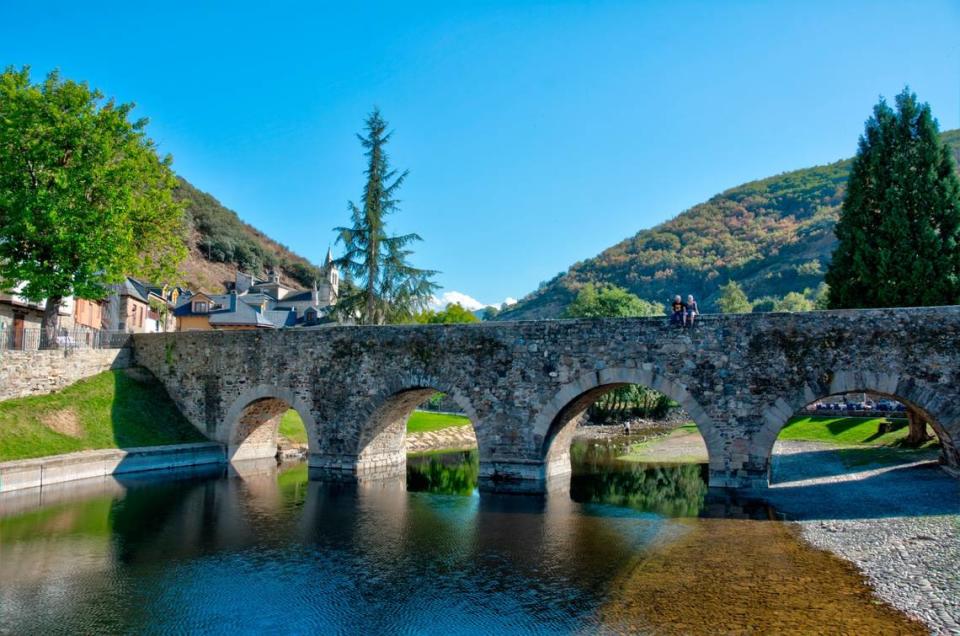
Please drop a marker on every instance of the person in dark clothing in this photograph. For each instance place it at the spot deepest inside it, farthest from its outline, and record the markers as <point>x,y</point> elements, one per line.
<point>679,310</point>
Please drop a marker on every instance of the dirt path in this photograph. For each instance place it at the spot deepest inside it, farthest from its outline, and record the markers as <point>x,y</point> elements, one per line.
<point>683,445</point>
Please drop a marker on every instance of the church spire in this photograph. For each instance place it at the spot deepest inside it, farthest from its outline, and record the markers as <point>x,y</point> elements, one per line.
<point>329,256</point>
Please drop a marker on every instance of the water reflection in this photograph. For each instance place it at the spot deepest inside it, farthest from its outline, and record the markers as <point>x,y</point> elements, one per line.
<point>445,474</point>
<point>263,548</point>
<point>598,477</point>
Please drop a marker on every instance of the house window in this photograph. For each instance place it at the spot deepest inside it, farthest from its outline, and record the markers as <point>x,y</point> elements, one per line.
<point>201,307</point>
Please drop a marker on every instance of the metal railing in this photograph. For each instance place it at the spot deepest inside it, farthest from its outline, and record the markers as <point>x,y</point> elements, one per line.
<point>35,339</point>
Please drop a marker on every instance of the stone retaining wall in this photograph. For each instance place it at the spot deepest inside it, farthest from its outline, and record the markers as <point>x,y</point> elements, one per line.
<point>25,373</point>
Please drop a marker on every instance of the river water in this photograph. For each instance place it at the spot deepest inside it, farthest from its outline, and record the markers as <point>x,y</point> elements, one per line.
<point>627,548</point>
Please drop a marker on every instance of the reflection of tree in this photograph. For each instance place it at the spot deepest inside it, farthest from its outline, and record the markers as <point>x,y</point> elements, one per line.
<point>674,490</point>
<point>454,474</point>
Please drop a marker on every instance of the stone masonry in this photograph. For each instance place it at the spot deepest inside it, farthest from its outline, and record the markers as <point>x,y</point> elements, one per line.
<point>25,373</point>
<point>525,385</point>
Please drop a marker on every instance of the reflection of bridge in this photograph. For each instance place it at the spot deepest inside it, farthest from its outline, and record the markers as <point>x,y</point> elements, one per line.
<point>526,384</point>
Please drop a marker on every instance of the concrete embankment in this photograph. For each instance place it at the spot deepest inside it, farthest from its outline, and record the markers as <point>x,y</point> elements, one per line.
<point>43,471</point>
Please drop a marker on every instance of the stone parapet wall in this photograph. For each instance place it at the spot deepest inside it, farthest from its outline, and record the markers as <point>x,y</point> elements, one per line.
<point>24,373</point>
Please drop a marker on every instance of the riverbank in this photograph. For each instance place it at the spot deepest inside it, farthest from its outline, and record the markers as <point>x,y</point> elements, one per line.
<point>890,511</point>
<point>899,524</point>
<point>455,438</point>
<point>121,408</point>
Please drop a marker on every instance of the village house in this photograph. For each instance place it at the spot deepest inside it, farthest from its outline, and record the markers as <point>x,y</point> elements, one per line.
<point>138,307</point>
<point>18,317</point>
<point>261,304</point>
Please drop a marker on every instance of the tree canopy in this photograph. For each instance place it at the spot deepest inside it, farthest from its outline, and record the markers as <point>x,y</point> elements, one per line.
<point>610,301</point>
<point>733,300</point>
<point>899,227</point>
<point>794,301</point>
<point>84,198</point>
<point>384,286</point>
<point>453,313</point>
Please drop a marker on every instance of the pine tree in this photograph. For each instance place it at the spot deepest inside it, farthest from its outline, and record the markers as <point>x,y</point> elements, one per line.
<point>386,288</point>
<point>899,227</point>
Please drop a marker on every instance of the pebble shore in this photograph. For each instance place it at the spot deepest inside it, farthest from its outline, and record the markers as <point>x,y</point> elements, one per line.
<point>900,525</point>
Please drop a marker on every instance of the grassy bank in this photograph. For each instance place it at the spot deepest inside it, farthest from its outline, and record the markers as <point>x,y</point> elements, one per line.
<point>425,421</point>
<point>292,429</point>
<point>860,437</point>
<point>114,409</point>
<point>291,426</point>
<point>846,431</point>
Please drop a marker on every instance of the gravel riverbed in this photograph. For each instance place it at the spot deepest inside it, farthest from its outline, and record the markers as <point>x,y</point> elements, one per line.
<point>900,525</point>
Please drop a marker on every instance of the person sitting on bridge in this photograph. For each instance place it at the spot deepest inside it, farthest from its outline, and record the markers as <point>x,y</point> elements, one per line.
<point>679,309</point>
<point>691,311</point>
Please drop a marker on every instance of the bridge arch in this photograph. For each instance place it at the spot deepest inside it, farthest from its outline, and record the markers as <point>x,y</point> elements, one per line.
<point>556,422</point>
<point>252,422</point>
<point>381,442</point>
<point>939,406</point>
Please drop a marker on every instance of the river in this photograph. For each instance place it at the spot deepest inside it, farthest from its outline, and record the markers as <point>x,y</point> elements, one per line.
<point>627,548</point>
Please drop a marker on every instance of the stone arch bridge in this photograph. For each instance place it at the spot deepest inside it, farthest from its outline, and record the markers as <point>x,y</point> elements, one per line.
<point>525,385</point>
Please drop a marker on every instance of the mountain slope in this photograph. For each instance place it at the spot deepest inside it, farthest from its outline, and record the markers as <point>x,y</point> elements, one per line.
<point>220,244</point>
<point>773,236</point>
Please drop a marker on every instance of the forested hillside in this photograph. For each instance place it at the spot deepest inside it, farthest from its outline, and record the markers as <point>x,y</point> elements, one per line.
<point>773,236</point>
<point>220,244</point>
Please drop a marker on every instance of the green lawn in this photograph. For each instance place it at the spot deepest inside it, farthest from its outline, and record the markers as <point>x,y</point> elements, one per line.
<point>291,428</point>
<point>425,421</point>
<point>850,431</point>
<point>113,409</point>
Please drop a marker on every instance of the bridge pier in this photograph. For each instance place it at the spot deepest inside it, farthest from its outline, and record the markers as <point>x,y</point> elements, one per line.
<point>352,468</point>
<point>521,476</point>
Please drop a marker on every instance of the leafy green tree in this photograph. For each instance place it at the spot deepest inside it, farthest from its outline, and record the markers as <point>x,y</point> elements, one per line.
<point>899,227</point>
<point>794,301</point>
<point>610,301</point>
<point>84,198</point>
<point>821,296</point>
<point>387,288</point>
<point>733,300</point>
<point>454,313</point>
<point>490,312</point>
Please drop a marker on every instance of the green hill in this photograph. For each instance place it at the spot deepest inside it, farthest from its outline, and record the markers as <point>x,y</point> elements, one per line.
<point>220,244</point>
<point>773,236</point>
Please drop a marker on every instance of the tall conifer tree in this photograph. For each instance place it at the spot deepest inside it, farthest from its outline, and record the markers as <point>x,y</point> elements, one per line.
<point>386,288</point>
<point>899,227</point>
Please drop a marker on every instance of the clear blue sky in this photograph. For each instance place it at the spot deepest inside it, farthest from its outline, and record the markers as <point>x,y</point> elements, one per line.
<point>536,133</point>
